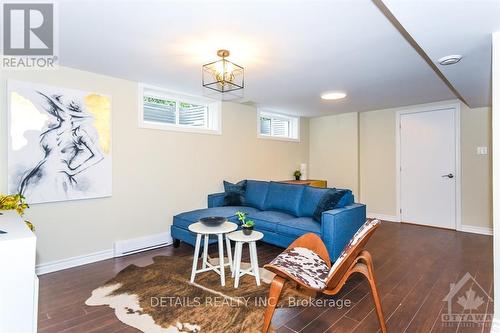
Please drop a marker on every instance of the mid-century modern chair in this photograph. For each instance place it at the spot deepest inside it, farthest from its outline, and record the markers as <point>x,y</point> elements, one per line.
<point>306,261</point>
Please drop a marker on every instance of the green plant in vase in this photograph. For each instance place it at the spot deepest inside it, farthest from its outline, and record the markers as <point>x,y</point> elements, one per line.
<point>297,174</point>
<point>15,202</point>
<point>246,225</point>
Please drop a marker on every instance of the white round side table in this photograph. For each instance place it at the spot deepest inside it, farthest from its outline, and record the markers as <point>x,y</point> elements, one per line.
<point>201,229</point>
<point>239,238</point>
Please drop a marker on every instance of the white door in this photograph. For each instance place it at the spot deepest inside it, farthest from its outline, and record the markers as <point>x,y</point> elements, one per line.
<point>428,158</point>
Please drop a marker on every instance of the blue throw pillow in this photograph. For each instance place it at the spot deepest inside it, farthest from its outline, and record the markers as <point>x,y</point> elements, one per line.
<point>284,197</point>
<point>347,199</point>
<point>235,193</point>
<point>256,193</point>
<point>328,202</point>
<point>310,200</point>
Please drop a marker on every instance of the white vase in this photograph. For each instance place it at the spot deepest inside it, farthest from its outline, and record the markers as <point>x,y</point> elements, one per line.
<point>303,171</point>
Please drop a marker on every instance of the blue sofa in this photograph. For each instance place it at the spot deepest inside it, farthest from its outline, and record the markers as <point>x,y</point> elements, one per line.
<point>282,212</point>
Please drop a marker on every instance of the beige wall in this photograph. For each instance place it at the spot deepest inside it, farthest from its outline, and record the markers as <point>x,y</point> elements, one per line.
<point>333,150</point>
<point>377,160</point>
<point>156,174</point>
<point>476,169</point>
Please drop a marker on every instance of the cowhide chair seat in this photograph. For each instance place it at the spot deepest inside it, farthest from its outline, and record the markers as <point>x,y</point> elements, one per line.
<point>306,262</point>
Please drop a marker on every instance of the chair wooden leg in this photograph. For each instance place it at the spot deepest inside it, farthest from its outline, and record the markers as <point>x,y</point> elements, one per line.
<point>378,305</point>
<point>373,286</point>
<point>274,295</point>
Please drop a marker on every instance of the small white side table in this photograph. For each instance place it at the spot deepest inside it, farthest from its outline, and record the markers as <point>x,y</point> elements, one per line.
<point>241,239</point>
<point>201,229</point>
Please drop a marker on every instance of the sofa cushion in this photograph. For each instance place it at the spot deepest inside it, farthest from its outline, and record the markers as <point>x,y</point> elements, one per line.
<point>255,194</point>
<point>310,200</point>
<point>298,227</point>
<point>284,197</point>
<point>328,201</point>
<point>183,220</point>
<point>234,193</point>
<point>268,220</point>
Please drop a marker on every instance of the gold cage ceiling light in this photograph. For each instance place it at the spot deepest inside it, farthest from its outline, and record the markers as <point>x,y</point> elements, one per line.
<point>223,75</point>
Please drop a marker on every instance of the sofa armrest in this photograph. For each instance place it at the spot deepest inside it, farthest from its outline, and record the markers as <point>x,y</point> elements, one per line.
<point>216,199</point>
<point>339,225</point>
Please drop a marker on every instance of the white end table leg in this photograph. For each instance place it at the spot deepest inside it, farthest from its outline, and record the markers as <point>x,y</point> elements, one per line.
<point>205,250</point>
<point>229,255</point>
<point>195,256</point>
<point>255,261</point>
<point>235,258</point>
<point>237,263</point>
<point>221,259</point>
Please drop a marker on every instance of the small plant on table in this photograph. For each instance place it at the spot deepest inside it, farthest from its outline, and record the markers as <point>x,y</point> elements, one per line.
<point>246,225</point>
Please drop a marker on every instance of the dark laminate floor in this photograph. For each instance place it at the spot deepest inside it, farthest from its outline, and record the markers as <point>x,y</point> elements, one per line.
<point>414,267</point>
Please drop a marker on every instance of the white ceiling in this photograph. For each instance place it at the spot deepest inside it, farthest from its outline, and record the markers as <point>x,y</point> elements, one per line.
<point>292,51</point>
<point>455,27</point>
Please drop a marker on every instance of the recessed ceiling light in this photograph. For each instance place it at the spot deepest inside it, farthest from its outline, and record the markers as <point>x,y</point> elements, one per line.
<point>333,95</point>
<point>450,59</point>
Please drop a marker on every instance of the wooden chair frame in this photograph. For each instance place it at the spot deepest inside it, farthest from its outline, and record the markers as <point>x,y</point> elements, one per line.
<point>357,260</point>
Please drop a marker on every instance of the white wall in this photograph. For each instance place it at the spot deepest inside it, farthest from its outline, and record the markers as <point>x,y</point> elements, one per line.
<point>156,174</point>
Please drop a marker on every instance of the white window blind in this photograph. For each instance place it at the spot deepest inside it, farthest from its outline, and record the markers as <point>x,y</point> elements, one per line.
<point>163,110</point>
<point>159,110</point>
<point>278,126</point>
<point>265,125</point>
<point>192,114</point>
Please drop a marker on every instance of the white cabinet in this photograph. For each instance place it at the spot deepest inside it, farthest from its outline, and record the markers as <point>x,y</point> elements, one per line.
<point>18,281</point>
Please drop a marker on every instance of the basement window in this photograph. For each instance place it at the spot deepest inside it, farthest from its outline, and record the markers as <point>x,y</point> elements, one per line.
<point>166,110</point>
<point>277,126</point>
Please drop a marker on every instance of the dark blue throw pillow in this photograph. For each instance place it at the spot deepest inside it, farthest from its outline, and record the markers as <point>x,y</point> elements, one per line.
<point>328,201</point>
<point>235,193</point>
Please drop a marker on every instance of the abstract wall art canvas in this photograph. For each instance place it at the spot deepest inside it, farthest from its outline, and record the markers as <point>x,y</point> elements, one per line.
<point>59,143</point>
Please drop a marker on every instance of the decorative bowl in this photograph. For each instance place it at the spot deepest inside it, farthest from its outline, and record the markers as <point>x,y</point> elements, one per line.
<point>213,221</point>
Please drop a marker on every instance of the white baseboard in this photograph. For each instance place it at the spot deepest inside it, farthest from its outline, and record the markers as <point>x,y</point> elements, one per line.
<point>390,218</point>
<point>129,246</point>
<point>476,230</point>
<point>125,247</point>
<point>57,265</point>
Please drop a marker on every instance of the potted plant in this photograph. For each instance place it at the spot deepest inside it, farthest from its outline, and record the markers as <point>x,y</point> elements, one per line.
<point>246,225</point>
<point>297,174</point>
<point>15,202</point>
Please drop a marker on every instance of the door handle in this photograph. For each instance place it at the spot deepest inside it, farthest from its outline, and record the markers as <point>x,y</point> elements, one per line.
<point>450,175</point>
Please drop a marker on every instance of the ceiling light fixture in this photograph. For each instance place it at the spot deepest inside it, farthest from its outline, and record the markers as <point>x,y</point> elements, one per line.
<point>223,75</point>
<point>333,95</point>
<point>450,59</point>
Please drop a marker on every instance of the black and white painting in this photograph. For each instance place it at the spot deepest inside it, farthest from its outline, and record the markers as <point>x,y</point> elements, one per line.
<point>59,145</point>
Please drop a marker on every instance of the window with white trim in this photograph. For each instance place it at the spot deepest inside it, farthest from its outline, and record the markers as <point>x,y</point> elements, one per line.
<point>162,109</point>
<point>278,126</point>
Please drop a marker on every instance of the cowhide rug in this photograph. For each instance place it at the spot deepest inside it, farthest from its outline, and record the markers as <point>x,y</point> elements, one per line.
<point>159,298</point>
